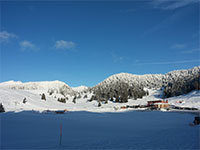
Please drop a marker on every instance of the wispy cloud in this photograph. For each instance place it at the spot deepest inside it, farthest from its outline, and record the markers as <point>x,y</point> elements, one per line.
<point>172,4</point>
<point>170,62</point>
<point>6,36</point>
<point>61,44</point>
<point>165,23</point>
<point>170,20</point>
<point>191,51</point>
<point>27,45</point>
<point>178,46</point>
<point>116,58</point>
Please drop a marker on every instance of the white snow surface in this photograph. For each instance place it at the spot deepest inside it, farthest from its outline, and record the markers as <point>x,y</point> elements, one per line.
<point>12,100</point>
<point>84,128</point>
<point>12,93</point>
<point>38,87</point>
<point>80,88</point>
<point>191,100</point>
<point>87,130</point>
<point>33,85</point>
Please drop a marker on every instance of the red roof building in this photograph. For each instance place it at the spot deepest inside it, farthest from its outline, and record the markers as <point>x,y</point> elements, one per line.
<point>149,103</point>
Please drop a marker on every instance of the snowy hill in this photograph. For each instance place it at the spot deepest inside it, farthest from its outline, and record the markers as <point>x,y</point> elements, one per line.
<point>33,85</point>
<point>12,100</point>
<point>152,80</point>
<point>80,88</point>
<point>126,85</point>
<point>109,95</point>
<point>43,86</point>
<point>191,100</point>
<point>148,80</point>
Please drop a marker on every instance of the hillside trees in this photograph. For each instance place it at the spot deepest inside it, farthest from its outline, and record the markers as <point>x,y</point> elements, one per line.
<point>119,91</point>
<point>182,86</point>
<point>62,100</point>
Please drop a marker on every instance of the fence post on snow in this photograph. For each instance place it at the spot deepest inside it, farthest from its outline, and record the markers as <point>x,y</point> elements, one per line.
<point>60,134</point>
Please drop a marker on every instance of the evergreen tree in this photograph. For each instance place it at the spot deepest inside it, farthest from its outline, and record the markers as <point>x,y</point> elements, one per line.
<point>24,100</point>
<point>2,108</point>
<point>74,100</point>
<point>43,97</point>
<point>62,100</point>
<point>79,96</point>
<point>99,105</point>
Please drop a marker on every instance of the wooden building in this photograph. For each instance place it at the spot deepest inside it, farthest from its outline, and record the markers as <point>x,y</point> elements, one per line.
<point>161,105</point>
<point>158,104</point>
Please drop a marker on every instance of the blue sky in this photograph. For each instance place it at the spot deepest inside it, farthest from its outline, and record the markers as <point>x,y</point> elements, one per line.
<point>84,42</point>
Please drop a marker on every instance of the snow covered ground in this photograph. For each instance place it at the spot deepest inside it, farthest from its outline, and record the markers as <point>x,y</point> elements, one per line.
<point>89,130</point>
<point>87,126</point>
<point>189,100</point>
<point>80,88</point>
<point>12,100</point>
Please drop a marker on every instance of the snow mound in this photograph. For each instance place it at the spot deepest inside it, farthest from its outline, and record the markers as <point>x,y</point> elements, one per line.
<point>40,87</point>
<point>33,85</point>
<point>80,88</point>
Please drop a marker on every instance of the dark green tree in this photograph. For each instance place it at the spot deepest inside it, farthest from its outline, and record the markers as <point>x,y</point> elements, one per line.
<point>24,100</point>
<point>62,100</point>
<point>99,105</point>
<point>2,108</point>
<point>74,100</point>
<point>43,97</point>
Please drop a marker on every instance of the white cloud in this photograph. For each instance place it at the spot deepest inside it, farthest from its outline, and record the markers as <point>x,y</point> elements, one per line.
<point>172,4</point>
<point>61,44</point>
<point>170,62</point>
<point>178,46</point>
<point>27,45</point>
<point>191,51</point>
<point>6,36</point>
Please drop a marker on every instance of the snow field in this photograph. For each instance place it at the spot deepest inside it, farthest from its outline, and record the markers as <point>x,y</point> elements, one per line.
<point>88,130</point>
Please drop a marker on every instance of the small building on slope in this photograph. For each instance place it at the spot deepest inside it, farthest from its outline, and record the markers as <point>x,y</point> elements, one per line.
<point>158,104</point>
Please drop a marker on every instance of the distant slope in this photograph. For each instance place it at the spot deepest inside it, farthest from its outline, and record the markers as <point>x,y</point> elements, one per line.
<point>182,82</point>
<point>45,86</point>
<point>12,100</point>
<point>119,87</point>
<point>123,86</point>
<point>191,100</point>
<point>80,88</point>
